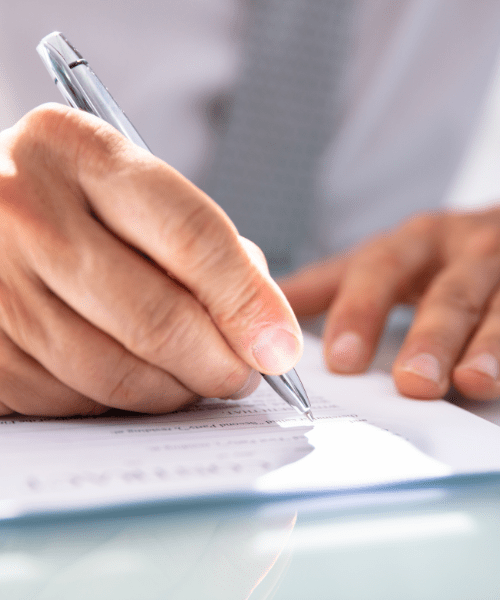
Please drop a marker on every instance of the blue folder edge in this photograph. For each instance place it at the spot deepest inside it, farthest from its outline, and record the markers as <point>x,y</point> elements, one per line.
<point>341,499</point>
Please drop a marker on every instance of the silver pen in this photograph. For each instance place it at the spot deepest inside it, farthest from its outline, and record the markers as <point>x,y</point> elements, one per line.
<point>81,88</point>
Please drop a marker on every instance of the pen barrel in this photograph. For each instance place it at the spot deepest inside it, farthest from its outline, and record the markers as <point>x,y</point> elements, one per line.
<point>80,86</point>
<point>96,99</point>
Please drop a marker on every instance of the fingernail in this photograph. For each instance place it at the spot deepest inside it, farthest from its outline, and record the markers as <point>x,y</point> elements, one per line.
<point>250,385</point>
<point>425,365</point>
<point>276,351</point>
<point>483,363</point>
<point>346,351</point>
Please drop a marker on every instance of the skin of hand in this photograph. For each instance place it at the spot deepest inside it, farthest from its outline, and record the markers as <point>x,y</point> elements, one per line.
<point>447,264</point>
<point>121,283</point>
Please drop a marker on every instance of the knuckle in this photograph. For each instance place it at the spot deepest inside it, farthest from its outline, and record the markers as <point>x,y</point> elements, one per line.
<point>15,393</point>
<point>485,241</point>
<point>458,298</point>
<point>422,224</point>
<point>123,390</point>
<point>255,254</point>
<point>17,321</point>
<point>70,137</point>
<point>380,253</point>
<point>142,388</point>
<point>193,222</point>
<point>242,306</point>
<point>252,247</point>
<point>164,332</point>
<point>207,239</point>
<point>44,119</point>
<point>386,258</point>
<point>229,383</point>
<point>47,131</point>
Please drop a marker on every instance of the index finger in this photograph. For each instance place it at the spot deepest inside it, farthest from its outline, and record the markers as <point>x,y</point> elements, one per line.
<point>375,280</point>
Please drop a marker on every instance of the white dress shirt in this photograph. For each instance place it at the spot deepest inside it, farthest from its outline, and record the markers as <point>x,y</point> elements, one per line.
<point>414,81</point>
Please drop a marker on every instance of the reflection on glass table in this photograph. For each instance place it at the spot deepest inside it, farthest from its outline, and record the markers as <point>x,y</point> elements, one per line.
<point>426,542</point>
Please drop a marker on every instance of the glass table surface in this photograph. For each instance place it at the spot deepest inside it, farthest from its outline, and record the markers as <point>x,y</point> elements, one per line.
<point>430,541</point>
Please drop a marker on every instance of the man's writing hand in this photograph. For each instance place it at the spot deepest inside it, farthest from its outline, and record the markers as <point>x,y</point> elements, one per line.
<point>121,283</point>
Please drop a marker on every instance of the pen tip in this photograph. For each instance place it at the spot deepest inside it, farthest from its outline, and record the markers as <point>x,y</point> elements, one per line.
<point>309,415</point>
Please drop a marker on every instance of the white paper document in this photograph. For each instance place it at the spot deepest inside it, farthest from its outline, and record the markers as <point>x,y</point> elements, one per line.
<point>364,434</point>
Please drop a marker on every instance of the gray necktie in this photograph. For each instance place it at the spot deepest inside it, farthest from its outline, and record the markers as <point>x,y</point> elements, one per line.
<point>281,121</point>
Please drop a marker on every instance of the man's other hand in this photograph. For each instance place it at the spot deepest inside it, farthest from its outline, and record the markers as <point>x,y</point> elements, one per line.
<point>448,265</point>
